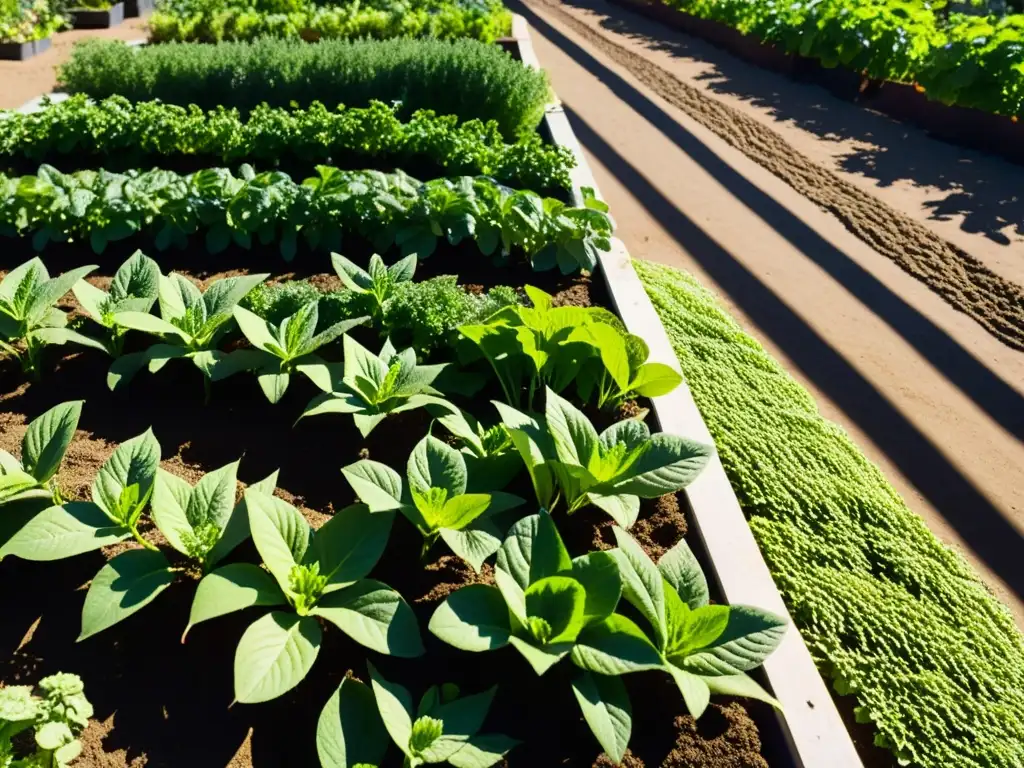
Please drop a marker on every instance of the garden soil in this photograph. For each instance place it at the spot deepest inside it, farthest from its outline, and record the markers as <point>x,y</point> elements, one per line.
<point>853,288</point>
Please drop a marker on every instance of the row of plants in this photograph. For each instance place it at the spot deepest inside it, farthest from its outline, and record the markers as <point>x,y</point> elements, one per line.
<point>118,132</point>
<point>968,60</point>
<point>24,21</point>
<point>167,208</point>
<point>216,20</point>
<point>464,78</point>
<point>894,617</point>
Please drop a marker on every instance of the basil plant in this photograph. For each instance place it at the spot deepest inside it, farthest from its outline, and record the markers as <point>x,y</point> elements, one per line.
<point>378,282</point>
<point>308,577</point>
<point>29,321</point>
<point>548,606</point>
<point>42,450</point>
<point>435,499</point>
<point>613,470</point>
<point>705,648</point>
<point>134,288</point>
<point>373,387</point>
<point>444,728</point>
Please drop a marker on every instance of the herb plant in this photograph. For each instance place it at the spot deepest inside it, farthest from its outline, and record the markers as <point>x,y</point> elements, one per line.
<point>567,458</point>
<point>374,387</point>
<point>620,370</point>
<point>444,728</point>
<point>190,325</point>
<point>489,453</point>
<point>548,606</point>
<point>29,321</point>
<point>379,282</point>
<point>280,350</point>
<point>315,576</point>
<point>135,288</point>
<point>56,714</point>
<point>42,449</point>
<point>434,499</point>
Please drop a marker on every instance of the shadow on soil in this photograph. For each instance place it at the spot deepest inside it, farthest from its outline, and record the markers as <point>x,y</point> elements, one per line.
<point>982,526</point>
<point>983,190</point>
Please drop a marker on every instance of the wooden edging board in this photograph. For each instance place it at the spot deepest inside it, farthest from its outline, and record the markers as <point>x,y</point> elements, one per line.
<point>809,719</point>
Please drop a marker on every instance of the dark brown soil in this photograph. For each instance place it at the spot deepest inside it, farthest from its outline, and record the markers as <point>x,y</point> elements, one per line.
<point>161,703</point>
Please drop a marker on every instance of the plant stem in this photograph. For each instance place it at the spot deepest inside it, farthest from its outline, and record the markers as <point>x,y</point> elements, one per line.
<point>138,537</point>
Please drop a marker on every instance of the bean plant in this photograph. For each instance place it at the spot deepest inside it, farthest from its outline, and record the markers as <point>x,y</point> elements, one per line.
<point>43,448</point>
<point>489,452</point>
<point>134,288</point>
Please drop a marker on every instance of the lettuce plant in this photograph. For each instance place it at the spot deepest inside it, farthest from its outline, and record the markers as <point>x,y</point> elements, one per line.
<point>135,288</point>
<point>435,499</point>
<point>190,325</point>
<point>443,728</point>
<point>621,371</point>
<point>373,387</point>
<point>379,282</point>
<point>705,648</point>
<point>489,452</point>
<point>315,576</point>
<point>280,350</point>
<point>566,457</point>
<point>29,321</point>
<point>548,606</point>
<point>42,449</point>
<point>56,714</point>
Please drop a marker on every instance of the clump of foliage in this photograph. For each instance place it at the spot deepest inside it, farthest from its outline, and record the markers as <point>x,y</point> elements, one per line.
<point>378,283</point>
<point>444,727</point>
<point>435,499</point>
<point>23,21</point>
<point>489,452</point>
<point>134,288</point>
<point>944,674</point>
<point>42,449</point>
<point>465,78</point>
<point>29,321</point>
<point>316,576</point>
<point>56,711</point>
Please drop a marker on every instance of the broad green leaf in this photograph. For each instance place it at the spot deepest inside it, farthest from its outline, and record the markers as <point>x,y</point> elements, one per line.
<point>234,587</point>
<point>221,297</point>
<point>238,360</point>
<point>611,345</point>
<point>474,618</point>
<point>695,690</point>
<point>65,336</point>
<point>575,437</point>
<point>14,484</point>
<point>359,361</point>
<point>137,277</point>
<point>255,329</point>
<point>533,550</point>
<point>352,276</point>
<point>475,543</point>
<point>622,508</point>
<point>436,465</point>
<point>513,594</point>
<point>402,271</point>
<point>13,280</point>
<point>237,529</point>
<point>697,629</point>
<point>680,568</point>
<point>274,382</point>
<point>463,426</point>
<point>560,601</point>
<point>365,422</point>
<point>540,659</point>
<point>47,439</point>
<point>482,751</point>
<point>46,294</point>
<point>147,323</point>
<point>170,500</point>
<point>280,533</point>
<point>213,498</point>
<point>642,584</point>
<point>740,685</point>
<point>349,545</point>
<point>126,584</point>
<point>350,731</point>
<point>375,615</point>
<point>630,432</point>
<point>615,646</point>
<point>460,511</point>
<point>334,402</point>
<point>134,462</point>
<point>655,380</point>
<point>667,464</point>
<point>749,637</point>
<point>377,485</point>
<point>606,708</point>
<point>395,706</point>
<point>598,572</point>
<point>59,532</point>
<point>274,655</point>
<point>462,718</point>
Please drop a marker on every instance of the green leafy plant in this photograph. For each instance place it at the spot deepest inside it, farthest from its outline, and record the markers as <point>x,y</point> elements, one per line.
<point>280,350</point>
<point>56,713</point>
<point>567,458</point>
<point>190,325</point>
<point>373,387</point>
<point>135,288</point>
<point>29,321</point>
<point>434,499</point>
<point>548,606</point>
<point>489,452</point>
<point>620,370</point>
<point>42,450</point>
<point>705,648</point>
<point>444,728</point>
<point>317,576</point>
<point>379,282</point>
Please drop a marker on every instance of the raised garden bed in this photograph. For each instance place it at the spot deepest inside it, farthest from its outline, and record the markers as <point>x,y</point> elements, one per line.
<point>184,701</point>
<point>91,18</point>
<point>17,51</point>
<point>136,8</point>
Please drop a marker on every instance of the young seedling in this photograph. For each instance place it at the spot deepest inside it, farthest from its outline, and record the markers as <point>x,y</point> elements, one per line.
<point>316,577</point>
<point>374,387</point>
<point>203,524</point>
<point>57,714</point>
<point>282,350</point>
<point>620,371</point>
<point>135,288</point>
<point>355,724</point>
<point>42,449</point>
<point>29,321</point>
<point>190,325</point>
<point>435,499</point>
<point>548,606</point>
<point>378,282</point>
<point>705,648</point>
<point>566,457</point>
<point>489,453</point>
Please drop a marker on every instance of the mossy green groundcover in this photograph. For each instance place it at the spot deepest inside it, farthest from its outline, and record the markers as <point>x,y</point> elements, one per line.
<point>890,614</point>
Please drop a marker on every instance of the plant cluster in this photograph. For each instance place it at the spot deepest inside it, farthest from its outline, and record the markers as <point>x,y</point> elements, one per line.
<point>116,131</point>
<point>22,21</point>
<point>102,207</point>
<point>56,711</point>
<point>465,78</point>
<point>943,675</point>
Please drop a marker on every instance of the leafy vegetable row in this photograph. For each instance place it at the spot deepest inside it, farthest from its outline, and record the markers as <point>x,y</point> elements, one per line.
<point>387,209</point>
<point>115,129</point>
<point>465,78</point>
<point>22,21</point>
<point>546,604</point>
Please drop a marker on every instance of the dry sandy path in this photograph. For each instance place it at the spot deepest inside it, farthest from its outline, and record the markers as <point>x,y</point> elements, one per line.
<point>931,396</point>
